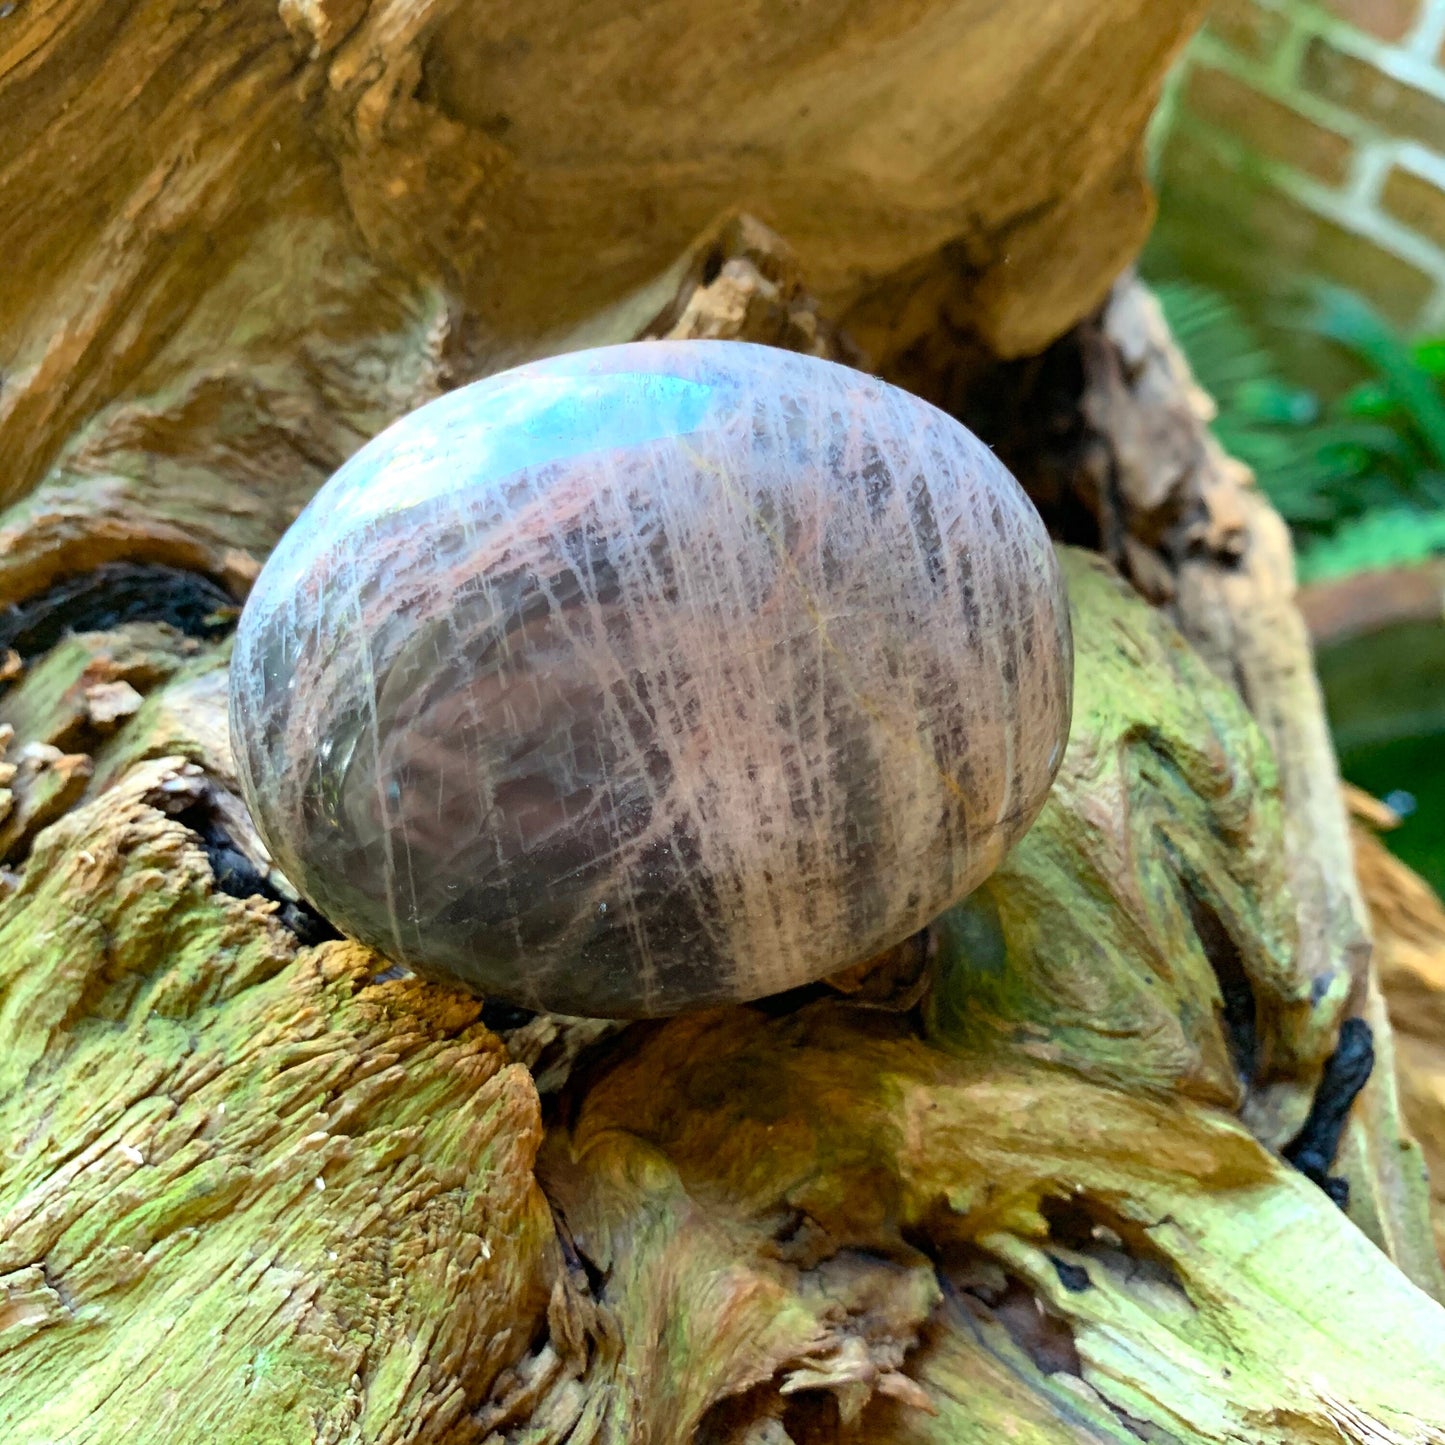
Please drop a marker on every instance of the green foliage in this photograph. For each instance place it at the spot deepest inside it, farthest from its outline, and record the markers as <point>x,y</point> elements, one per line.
<point>1385,537</point>
<point>1360,477</point>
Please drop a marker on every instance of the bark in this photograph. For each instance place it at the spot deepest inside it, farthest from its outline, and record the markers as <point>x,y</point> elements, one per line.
<point>1028,1175</point>
<point>1132,467</point>
<point>1409,923</point>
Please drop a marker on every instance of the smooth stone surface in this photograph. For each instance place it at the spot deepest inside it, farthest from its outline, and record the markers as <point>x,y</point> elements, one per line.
<point>653,677</point>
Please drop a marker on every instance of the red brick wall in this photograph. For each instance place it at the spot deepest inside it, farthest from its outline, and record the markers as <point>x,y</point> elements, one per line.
<point>1307,137</point>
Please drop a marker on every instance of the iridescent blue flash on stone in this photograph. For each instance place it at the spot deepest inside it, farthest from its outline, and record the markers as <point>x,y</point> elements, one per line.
<point>651,677</point>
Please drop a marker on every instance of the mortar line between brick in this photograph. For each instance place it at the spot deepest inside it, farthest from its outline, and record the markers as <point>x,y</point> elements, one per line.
<point>1419,159</point>
<point>1370,223</point>
<point>1372,162</point>
<point>1395,61</point>
<point>1432,313</point>
<point>1288,93</point>
<point>1288,59</point>
<point>1426,38</point>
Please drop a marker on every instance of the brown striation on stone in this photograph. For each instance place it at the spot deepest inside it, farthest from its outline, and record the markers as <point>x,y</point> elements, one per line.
<point>654,676</point>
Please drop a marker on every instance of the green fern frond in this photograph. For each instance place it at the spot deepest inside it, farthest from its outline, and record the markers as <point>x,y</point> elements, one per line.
<point>1386,537</point>
<point>1360,479</point>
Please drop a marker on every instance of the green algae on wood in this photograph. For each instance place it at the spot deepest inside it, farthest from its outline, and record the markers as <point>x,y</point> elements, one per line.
<point>86,686</point>
<point>811,1217</point>
<point>948,1247</point>
<point>1142,932</point>
<point>241,1174</point>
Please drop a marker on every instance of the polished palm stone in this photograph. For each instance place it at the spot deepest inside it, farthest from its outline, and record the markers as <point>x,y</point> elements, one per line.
<point>654,676</point>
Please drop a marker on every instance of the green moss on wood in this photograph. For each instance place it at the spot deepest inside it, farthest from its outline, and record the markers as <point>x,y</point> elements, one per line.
<point>246,1193</point>
<point>1155,871</point>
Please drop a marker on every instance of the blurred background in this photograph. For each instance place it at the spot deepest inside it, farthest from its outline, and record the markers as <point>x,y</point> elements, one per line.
<point>1299,155</point>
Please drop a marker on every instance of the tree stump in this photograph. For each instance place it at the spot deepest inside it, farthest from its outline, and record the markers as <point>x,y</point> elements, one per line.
<point>1068,1166</point>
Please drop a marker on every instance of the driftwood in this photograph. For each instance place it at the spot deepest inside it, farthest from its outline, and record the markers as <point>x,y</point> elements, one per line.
<point>1409,925</point>
<point>834,1218</point>
<point>1127,464</point>
<point>1032,1175</point>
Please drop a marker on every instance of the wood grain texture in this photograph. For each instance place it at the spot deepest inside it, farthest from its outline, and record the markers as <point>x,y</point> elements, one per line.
<point>744,1225</point>
<point>1176,972</point>
<point>240,239</point>
<point>260,1148</point>
<point>958,1231</point>
<point>1125,461</point>
<point>1409,925</point>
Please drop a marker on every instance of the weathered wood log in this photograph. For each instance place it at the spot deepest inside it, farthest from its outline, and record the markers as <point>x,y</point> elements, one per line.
<point>239,240</point>
<point>1025,1176</point>
<point>1039,1214</point>
<point>1127,463</point>
<point>1409,927</point>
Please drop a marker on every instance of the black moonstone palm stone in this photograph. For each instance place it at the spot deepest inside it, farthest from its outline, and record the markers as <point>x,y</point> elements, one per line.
<point>653,677</point>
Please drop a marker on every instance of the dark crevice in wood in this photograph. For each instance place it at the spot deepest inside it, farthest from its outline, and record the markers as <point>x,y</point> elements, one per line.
<point>237,876</point>
<point>1031,413</point>
<point>740,1417</point>
<point>113,594</point>
<point>1088,1227</point>
<point>501,1016</point>
<point>1240,1006</point>
<point>811,1417</point>
<point>1312,1151</point>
